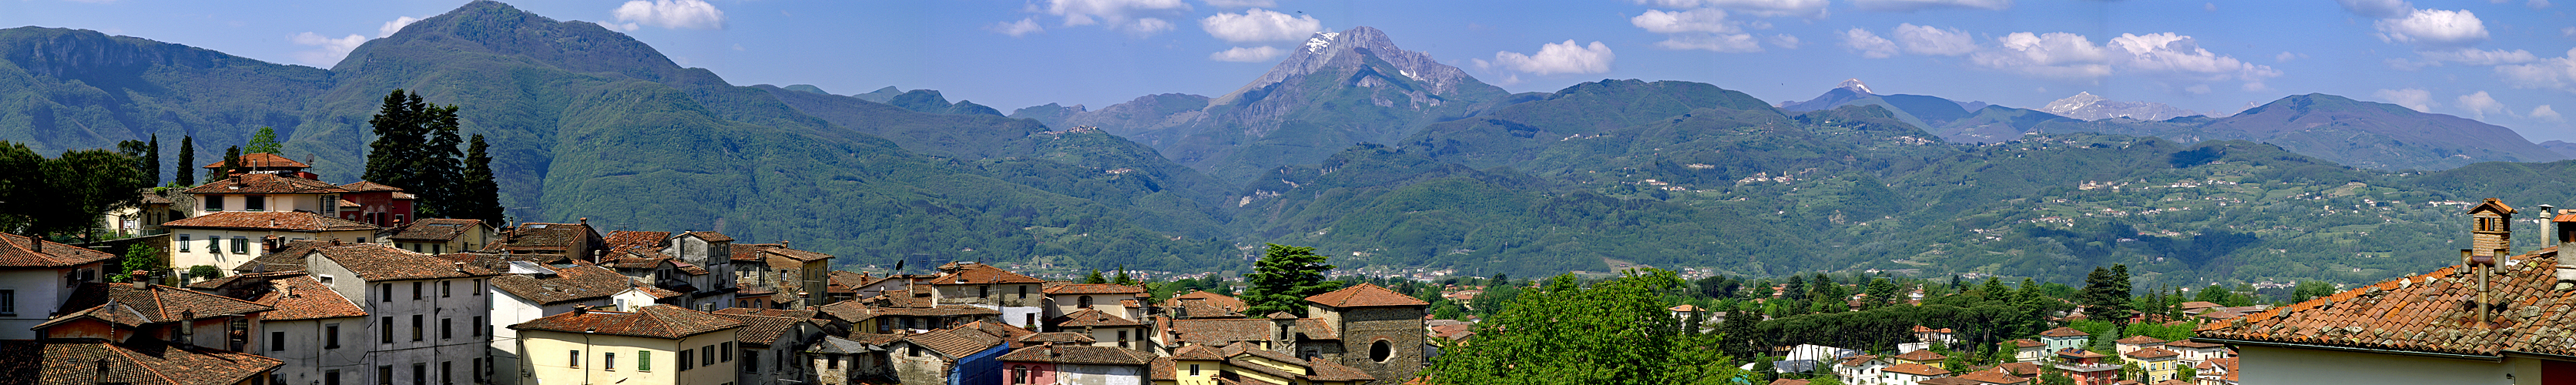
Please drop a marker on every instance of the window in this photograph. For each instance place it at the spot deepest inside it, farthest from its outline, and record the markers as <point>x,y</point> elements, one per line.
<point>684,359</point>
<point>415,327</point>
<point>1024,291</point>
<point>446,328</point>
<point>388,289</point>
<point>1122,338</point>
<point>331,336</point>
<point>183,243</point>
<point>914,351</point>
<point>1194,369</point>
<point>331,205</point>
<point>214,203</point>
<point>1381,351</point>
<point>644,360</point>
<point>8,302</point>
<point>241,245</point>
<point>214,244</point>
<point>1084,301</point>
<point>478,286</point>
<point>750,361</point>
<point>415,290</point>
<point>983,291</point>
<point>387,329</point>
<point>331,377</point>
<point>707,355</point>
<point>727,348</point>
<point>447,372</point>
<point>254,203</point>
<point>576,359</point>
<point>477,330</point>
<point>384,375</point>
<point>443,287</point>
<point>420,373</point>
<point>478,370</point>
<point>608,361</point>
<point>1019,374</point>
<point>276,341</point>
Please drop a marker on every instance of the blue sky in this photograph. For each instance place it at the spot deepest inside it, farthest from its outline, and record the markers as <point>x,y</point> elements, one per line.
<point>2505,62</point>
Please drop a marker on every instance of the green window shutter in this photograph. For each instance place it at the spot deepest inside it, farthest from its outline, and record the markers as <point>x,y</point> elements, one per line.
<point>644,360</point>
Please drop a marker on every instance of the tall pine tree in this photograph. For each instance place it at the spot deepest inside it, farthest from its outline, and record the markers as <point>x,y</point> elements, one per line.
<point>1283,278</point>
<point>480,192</point>
<point>187,167</point>
<point>415,150</point>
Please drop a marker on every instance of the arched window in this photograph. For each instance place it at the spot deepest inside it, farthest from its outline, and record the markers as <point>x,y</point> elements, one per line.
<point>1381,351</point>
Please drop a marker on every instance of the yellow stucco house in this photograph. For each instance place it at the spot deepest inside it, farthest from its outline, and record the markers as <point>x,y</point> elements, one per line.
<point>653,345</point>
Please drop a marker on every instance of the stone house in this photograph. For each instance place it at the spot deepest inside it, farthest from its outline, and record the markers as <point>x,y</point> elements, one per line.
<point>773,344</point>
<point>1019,298</point>
<point>2134,343</point>
<point>794,278</point>
<point>573,240</point>
<point>312,330</point>
<point>531,290</point>
<point>244,216</point>
<point>124,312</point>
<point>948,356</point>
<point>653,345</point>
<point>440,236</point>
<point>1379,330</point>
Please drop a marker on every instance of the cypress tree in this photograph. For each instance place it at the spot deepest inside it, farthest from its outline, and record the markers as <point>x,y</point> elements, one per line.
<point>151,161</point>
<point>187,168</point>
<point>482,192</point>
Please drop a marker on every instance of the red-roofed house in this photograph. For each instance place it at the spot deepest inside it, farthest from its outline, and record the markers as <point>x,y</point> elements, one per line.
<point>1067,299</point>
<point>37,276</point>
<point>377,204</point>
<point>1020,298</point>
<point>654,345</point>
<point>1376,330</point>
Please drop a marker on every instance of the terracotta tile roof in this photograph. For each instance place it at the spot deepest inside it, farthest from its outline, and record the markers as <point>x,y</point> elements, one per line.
<point>1452,332</point>
<point>656,321</point>
<point>762,330</point>
<point>1080,354</point>
<point>636,239</point>
<point>2064,332</point>
<point>435,229</point>
<point>2152,353</point>
<point>1197,353</point>
<point>2424,313</point>
<point>1317,329</point>
<point>365,186</point>
<point>568,284</point>
<point>159,303</point>
<point>1684,308</point>
<point>301,297</point>
<point>1162,369</point>
<point>2020,368</point>
<point>21,251</point>
<point>1057,337</point>
<point>2027,343</point>
<point>1093,318</point>
<point>287,257</point>
<point>846,281</point>
<point>546,236</point>
<point>997,330</point>
<point>1788,381</point>
<point>2191,344</point>
<point>2074,353</point>
<point>266,184</point>
<point>1239,363</point>
<point>269,220</point>
<point>259,160</point>
<point>1925,355</point>
<point>855,311</point>
<point>1329,371</point>
<point>2140,340</point>
<point>1915,369</point>
<point>874,338</point>
<point>982,274</point>
<point>709,236</point>
<point>1218,332</point>
<point>120,314</point>
<point>144,361</point>
<point>374,262</point>
<point>794,254</point>
<point>1364,295</point>
<point>2199,305</point>
<point>952,343</point>
<point>1094,288</point>
<point>1992,377</point>
<point>1857,360</point>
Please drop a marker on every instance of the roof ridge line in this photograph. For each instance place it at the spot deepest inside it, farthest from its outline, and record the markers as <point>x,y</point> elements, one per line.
<point>148,368</point>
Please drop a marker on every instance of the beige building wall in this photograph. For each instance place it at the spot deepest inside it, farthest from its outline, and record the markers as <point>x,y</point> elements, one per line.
<point>550,354</point>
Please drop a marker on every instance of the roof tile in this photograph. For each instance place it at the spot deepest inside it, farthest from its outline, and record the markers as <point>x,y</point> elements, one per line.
<point>656,321</point>
<point>1364,295</point>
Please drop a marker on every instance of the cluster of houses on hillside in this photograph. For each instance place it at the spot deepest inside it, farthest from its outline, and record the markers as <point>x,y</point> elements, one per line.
<point>342,284</point>
<point>2146,360</point>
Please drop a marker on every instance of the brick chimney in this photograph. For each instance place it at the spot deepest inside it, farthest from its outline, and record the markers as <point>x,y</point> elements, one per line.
<point>138,279</point>
<point>2565,226</point>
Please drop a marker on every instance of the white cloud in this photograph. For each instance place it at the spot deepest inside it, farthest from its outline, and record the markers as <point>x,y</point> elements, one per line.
<point>1916,5</point>
<point>2557,73</point>
<point>2544,113</point>
<point>1132,16</point>
<point>2179,57</point>
<point>2055,55</point>
<point>1755,8</point>
<point>1260,25</point>
<point>2434,28</point>
<point>1783,41</point>
<point>1241,3</point>
<point>1869,45</point>
<point>1697,20</point>
<point>2479,57</point>
<point>674,14</point>
<point>2479,104</point>
<point>1724,42</point>
<point>1016,28</point>
<point>1922,40</point>
<point>2377,9</point>
<point>1247,54</point>
<point>2416,99</point>
<point>394,26</point>
<point>2537,4</point>
<point>2568,31</point>
<point>2286,57</point>
<point>1554,58</point>
<point>329,51</point>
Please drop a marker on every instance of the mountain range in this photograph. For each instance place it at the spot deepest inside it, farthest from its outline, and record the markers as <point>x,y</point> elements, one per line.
<point>1381,157</point>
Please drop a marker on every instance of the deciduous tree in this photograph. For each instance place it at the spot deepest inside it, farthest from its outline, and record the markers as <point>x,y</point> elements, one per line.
<point>1614,332</point>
